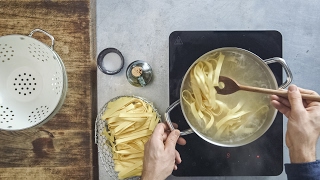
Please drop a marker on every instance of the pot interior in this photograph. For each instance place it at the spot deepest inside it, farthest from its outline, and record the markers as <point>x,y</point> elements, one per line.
<point>247,69</point>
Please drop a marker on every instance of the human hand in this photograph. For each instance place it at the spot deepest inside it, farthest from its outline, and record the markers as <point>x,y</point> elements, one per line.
<point>160,155</point>
<point>303,126</point>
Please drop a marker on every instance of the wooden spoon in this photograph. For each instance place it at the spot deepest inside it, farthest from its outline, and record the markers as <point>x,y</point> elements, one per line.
<point>230,86</point>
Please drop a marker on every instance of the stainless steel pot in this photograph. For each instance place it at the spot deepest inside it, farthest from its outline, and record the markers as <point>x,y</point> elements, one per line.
<point>247,69</point>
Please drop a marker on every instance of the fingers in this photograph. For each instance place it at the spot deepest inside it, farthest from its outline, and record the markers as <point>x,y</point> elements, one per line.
<point>280,103</point>
<point>306,91</point>
<point>282,100</point>
<point>172,140</point>
<point>160,129</point>
<point>181,141</point>
<point>159,133</point>
<point>309,92</point>
<point>295,99</point>
<point>282,108</point>
<point>175,125</point>
<point>178,158</point>
<point>165,136</point>
<point>294,103</point>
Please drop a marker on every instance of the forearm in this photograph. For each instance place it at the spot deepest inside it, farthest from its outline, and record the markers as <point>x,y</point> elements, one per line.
<point>147,176</point>
<point>303,164</point>
<point>144,177</point>
<point>302,155</point>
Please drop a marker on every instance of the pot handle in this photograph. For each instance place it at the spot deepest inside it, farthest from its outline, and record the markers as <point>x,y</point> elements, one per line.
<point>285,67</point>
<point>46,33</point>
<point>168,120</point>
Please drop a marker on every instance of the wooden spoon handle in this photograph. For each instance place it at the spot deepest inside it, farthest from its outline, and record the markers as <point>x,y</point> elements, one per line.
<point>279,92</point>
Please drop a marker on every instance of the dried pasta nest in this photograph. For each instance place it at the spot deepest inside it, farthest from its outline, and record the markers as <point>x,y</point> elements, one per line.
<point>104,134</point>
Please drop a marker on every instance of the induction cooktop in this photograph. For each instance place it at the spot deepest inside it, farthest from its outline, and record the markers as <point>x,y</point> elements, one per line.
<point>264,156</point>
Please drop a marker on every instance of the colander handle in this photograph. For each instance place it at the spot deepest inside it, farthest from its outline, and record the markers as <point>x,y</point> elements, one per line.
<point>46,33</point>
<point>168,120</point>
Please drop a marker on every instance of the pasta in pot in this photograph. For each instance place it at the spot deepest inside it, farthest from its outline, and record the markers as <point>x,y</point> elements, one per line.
<point>215,116</point>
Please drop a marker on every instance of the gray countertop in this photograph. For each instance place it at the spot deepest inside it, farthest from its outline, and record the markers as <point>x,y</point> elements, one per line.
<point>140,29</point>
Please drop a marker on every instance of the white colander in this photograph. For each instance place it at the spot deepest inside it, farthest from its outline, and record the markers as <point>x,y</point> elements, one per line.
<point>33,81</point>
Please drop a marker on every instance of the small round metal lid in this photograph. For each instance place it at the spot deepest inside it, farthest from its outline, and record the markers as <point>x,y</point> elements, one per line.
<point>110,61</point>
<point>139,73</point>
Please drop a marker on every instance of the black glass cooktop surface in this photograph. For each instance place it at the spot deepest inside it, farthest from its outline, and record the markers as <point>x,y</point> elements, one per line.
<point>263,157</point>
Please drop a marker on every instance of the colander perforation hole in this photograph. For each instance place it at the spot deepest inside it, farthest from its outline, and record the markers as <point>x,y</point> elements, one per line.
<point>38,52</point>
<point>5,53</point>
<point>6,115</point>
<point>38,114</point>
<point>56,83</point>
<point>24,84</point>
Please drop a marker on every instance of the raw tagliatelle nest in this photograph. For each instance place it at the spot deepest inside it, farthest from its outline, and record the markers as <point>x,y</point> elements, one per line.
<point>216,116</point>
<point>128,124</point>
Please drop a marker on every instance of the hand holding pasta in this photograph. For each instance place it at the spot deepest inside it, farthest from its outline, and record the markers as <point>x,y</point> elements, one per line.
<point>130,123</point>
